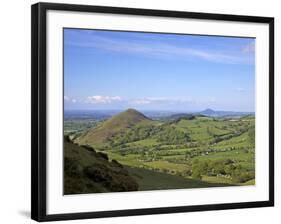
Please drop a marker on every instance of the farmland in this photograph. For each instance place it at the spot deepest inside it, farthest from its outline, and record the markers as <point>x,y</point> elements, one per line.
<point>175,151</point>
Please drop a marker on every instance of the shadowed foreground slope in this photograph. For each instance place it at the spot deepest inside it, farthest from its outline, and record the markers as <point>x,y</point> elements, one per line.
<point>87,171</point>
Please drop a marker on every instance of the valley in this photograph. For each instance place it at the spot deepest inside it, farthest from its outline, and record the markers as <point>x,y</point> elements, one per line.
<point>173,150</point>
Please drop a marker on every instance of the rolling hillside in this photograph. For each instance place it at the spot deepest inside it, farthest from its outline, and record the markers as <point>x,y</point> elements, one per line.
<point>153,180</point>
<point>88,171</point>
<point>116,125</point>
<point>196,147</point>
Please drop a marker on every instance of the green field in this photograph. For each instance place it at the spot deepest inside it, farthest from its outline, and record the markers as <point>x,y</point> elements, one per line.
<point>152,180</point>
<point>196,151</point>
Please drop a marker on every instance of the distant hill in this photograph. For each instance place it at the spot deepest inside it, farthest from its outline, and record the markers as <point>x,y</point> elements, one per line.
<point>117,124</point>
<point>213,113</point>
<point>208,112</point>
<point>88,171</point>
<point>131,126</point>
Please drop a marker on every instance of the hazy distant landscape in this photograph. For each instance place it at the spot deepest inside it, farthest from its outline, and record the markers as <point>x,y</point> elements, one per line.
<point>148,111</point>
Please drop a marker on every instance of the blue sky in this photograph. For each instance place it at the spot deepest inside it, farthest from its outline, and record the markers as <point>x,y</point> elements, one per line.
<point>146,71</point>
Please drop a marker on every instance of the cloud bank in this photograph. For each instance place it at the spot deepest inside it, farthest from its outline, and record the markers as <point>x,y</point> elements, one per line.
<point>102,100</point>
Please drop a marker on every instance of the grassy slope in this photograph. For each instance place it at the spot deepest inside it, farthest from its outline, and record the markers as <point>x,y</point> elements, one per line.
<point>200,129</point>
<point>86,171</point>
<point>119,123</point>
<point>152,180</point>
<point>77,182</point>
<point>203,128</point>
<point>250,182</point>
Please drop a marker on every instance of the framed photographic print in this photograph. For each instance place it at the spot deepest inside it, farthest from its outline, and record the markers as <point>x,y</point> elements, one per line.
<point>139,111</point>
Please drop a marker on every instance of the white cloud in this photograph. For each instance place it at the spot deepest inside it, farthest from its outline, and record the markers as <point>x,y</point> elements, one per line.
<point>103,99</point>
<point>160,100</point>
<point>153,101</point>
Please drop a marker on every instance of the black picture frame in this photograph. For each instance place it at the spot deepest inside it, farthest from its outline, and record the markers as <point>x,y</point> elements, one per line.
<point>38,108</point>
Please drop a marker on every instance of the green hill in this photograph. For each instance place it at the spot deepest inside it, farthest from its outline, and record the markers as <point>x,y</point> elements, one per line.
<point>116,125</point>
<point>88,171</point>
<point>215,150</point>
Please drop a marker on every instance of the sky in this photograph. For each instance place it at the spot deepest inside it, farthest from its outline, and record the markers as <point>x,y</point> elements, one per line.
<point>150,71</point>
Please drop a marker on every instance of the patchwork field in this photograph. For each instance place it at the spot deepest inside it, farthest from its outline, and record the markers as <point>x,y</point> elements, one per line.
<point>184,152</point>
